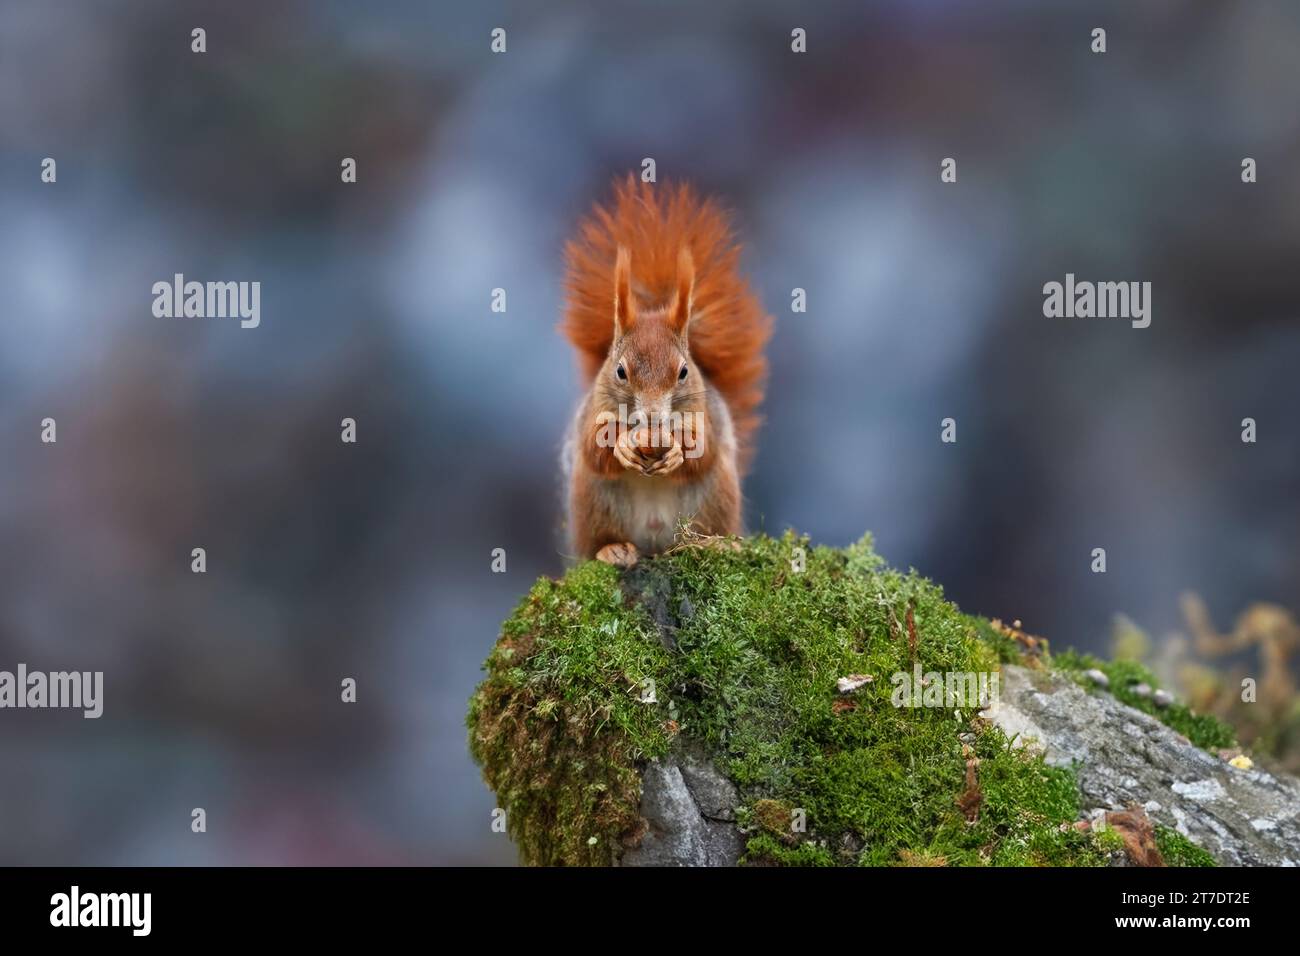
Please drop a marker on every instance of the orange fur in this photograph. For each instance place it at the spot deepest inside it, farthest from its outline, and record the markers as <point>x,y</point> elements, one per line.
<point>657,224</point>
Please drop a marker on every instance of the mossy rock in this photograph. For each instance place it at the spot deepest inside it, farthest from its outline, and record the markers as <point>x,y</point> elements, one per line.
<point>733,650</point>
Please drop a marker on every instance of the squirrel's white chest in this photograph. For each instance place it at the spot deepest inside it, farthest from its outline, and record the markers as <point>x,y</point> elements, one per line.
<point>652,509</point>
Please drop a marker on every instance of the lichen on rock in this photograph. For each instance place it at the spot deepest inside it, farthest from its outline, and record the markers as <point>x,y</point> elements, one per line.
<point>1125,757</point>
<point>696,711</point>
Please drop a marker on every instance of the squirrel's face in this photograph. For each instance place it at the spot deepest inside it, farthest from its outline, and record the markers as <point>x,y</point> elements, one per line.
<point>649,371</point>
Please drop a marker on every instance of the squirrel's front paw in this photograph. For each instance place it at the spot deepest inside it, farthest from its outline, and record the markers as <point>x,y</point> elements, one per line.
<point>622,555</point>
<point>628,455</point>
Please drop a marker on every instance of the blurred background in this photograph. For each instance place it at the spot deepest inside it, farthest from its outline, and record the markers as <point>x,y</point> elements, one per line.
<point>372,561</point>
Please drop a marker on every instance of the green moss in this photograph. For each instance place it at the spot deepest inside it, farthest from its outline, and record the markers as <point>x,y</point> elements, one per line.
<point>558,726</point>
<point>561,727</point>
<point>1002,643</point>
<point>1109,840</point>
<point>765,850</point>
<point>1125,674</point>
<point>1180,851</point>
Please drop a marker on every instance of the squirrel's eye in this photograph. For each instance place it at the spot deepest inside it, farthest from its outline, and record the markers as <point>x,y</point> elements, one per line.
<point>621,372</point>
<point>681,376</point>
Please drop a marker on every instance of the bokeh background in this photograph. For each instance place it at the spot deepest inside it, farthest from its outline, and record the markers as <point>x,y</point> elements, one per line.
<point>372,560</point>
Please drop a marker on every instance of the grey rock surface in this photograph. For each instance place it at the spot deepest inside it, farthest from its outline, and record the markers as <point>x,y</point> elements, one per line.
<point>715,796</point>
<point>688,807</point>
<point>1124,757</point>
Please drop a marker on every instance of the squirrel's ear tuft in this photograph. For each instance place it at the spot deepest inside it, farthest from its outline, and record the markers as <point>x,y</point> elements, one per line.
<point>624,311</point>
<point>680,313</point>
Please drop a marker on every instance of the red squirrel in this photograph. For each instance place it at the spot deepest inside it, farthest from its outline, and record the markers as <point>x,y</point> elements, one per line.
<point>670,342</point>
